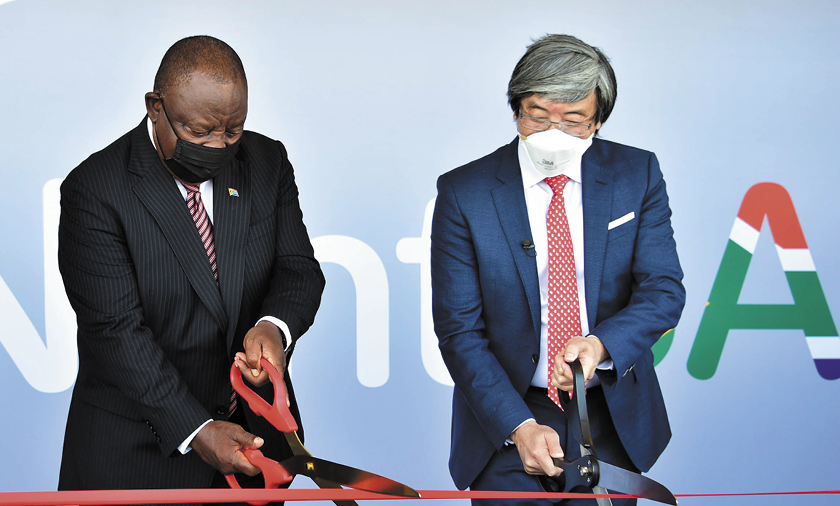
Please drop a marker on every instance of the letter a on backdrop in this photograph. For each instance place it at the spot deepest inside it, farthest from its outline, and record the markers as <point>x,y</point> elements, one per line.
<point>809,312</point>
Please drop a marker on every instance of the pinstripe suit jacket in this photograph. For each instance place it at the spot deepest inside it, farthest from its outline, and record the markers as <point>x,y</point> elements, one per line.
<point>156,336</point>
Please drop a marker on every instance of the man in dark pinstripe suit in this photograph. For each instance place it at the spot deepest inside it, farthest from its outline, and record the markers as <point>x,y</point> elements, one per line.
<point>160,318</point>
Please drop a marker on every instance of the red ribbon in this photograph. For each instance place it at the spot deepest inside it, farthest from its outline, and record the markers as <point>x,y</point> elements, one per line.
<point>202,495</point>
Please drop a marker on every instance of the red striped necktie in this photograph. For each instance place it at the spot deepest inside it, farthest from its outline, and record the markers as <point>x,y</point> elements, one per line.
<point>202,223</point>
<point>205,232</point>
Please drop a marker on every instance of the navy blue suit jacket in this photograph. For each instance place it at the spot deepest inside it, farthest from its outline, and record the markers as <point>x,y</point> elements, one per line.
<point>486,301</point>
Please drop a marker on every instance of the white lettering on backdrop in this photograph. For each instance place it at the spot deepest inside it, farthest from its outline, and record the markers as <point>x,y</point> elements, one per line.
<point>51,365</point>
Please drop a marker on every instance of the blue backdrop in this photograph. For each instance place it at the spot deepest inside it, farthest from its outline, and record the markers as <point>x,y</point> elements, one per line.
<point>374,99</point>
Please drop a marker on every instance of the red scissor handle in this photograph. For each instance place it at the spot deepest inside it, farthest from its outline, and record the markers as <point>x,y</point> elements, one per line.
<point>278,413</point>
<point>273,473</point>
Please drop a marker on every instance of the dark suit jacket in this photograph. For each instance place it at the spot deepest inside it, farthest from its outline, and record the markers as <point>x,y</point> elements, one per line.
<point>486,301</point>
<point>156,336</point>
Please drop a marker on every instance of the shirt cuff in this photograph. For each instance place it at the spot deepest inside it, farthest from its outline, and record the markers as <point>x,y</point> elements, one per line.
<point>284,330</point>
<point>606,365</point>
<point>185,448</point>
<point>508,441</point>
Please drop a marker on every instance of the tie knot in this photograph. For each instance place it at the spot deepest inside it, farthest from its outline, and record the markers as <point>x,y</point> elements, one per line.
<point>557,183</point>
<point>191,188</point>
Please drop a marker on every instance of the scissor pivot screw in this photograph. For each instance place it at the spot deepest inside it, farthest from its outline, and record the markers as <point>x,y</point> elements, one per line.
<point>585,471</point>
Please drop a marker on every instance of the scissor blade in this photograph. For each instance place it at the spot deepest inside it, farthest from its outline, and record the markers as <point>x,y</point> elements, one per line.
<point>295,444</point>
<point>298,449</point>
<point>349,476</point>
<point>627,482</point>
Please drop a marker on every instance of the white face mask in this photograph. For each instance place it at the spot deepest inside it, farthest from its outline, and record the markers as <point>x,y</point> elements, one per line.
<point>552,150</point>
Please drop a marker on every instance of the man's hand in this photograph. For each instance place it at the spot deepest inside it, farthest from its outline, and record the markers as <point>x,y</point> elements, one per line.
<point>220,444</point>
<point>589,350</point>
<point>537,444</point>
<point>262,341</point>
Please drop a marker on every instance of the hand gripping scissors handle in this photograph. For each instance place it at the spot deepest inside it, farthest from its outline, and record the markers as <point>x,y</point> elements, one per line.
<point>280,418</point>
<point>590,472</point>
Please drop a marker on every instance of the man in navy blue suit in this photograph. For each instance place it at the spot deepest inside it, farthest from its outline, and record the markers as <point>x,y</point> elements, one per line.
<point>494,256</point>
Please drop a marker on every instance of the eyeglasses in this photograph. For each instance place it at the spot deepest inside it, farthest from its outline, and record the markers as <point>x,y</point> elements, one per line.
<point>542,124</point>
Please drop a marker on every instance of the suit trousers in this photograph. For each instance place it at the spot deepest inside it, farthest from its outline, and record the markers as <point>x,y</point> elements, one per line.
<point>505,471</point>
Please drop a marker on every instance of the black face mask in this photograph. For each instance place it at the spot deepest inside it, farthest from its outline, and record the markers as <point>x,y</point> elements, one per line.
<point>195,163</point>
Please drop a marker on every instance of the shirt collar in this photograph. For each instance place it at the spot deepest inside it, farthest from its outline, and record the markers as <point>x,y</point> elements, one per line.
<point>151,131</point>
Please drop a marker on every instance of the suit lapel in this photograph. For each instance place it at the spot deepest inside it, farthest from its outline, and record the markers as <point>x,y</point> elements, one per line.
<point>597,208</point>
<point>231,216</point>
<point>159,193</point>
<point>509,199</point>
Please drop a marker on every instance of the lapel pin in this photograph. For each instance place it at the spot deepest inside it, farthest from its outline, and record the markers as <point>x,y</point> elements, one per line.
<point>232,192</point>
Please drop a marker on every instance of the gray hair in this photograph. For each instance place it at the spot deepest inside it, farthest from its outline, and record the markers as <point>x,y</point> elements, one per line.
<point>563,68</point>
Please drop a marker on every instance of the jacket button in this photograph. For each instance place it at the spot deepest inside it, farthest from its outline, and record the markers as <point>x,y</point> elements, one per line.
<point>535,358</point>
<point>221,411</point>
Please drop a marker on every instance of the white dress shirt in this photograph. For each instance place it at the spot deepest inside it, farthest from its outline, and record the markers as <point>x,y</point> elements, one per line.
<point>537,199</point>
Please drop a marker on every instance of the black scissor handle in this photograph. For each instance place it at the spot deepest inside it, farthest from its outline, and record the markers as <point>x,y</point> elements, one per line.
<point>579,397</point>
<point>585,471</point>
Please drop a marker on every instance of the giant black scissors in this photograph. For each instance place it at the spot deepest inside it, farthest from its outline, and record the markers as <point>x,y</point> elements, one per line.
<point>589,472</point>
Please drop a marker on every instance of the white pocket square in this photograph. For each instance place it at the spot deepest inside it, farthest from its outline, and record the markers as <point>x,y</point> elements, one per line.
<point>621,221</point>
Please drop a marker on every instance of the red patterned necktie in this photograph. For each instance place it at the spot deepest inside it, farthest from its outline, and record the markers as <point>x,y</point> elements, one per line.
<point>205,231</point>
<point>202,223</point>
<point>563,304</point>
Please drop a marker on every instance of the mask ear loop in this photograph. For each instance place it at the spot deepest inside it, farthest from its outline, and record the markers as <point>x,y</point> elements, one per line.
<point>168,121</point>
<point>160,146</point>
<point>157,138</point>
